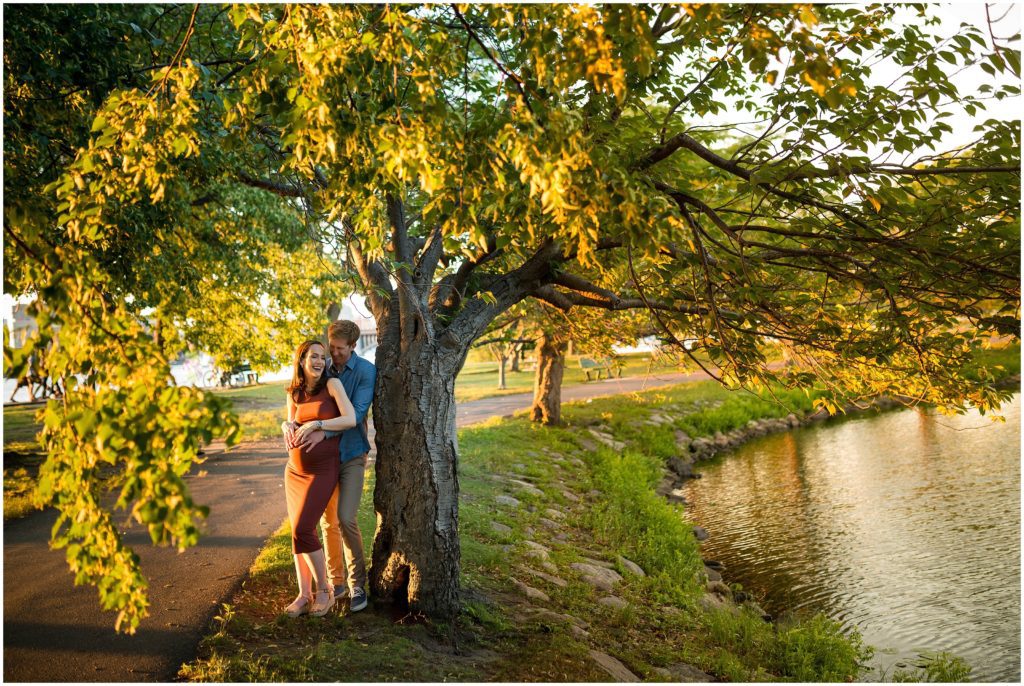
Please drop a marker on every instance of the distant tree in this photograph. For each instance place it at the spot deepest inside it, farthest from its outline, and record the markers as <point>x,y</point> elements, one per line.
<point>502,339</point>
<point>458,160</point>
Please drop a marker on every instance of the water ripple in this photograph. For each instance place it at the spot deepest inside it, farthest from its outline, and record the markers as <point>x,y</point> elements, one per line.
<point>903,525</point>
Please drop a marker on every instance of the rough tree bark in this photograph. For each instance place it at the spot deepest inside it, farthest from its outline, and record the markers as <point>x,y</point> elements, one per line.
<point>547,385</point>
<point>416,549</point>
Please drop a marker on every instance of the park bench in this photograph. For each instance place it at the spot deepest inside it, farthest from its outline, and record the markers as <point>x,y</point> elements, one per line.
<point>604,364</point>
<point>240,375</point>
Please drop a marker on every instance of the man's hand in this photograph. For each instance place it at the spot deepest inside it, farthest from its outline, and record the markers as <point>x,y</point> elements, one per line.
<point>310,440</point>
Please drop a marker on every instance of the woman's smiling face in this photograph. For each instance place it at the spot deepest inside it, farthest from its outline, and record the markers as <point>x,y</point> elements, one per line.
<point>314,362</point>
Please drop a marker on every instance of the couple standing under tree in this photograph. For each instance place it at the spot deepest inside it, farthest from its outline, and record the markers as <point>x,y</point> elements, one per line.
<point>326,435</point>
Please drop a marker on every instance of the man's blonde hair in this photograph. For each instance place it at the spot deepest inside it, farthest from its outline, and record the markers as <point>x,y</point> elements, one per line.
<point>344,330</point>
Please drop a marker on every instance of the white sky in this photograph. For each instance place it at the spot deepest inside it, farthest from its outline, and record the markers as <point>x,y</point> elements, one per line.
<point>951,16</point>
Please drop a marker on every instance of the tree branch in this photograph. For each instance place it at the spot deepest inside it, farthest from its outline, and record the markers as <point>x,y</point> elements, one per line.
<point>505,291</point>
<point>683,140</point>
<point>565,300</point>
<point>448,294</point>
<point>429,258</point>
<point>519,83</point>
<point>373,274</point>
<point>282,189</point>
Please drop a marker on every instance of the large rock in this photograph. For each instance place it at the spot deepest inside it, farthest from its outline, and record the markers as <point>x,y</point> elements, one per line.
<point>682,467</point>
<point>550,578</point>
<point>719,588</point>
<point>536,550</point>
<point>576,626</point>
<point>712,601</point>
<point>631,567</point>
<point>598,577</point>
<point>501,528</point>
<point>676,496</point>
<point>617,670</point>
<point>591,559</point>
<point>608,440</point>
<point>756,428</point>
<point>681,436</point>
<point>528,487</point>
<point>665,486</point>
<point>549,565</point>
<point>531,592</point>
<point>700,533</point>
<point>554,514</point>
<point>506,500</point>
<point>685,673</point>
<point>702,449</point>
<point>614,602</point>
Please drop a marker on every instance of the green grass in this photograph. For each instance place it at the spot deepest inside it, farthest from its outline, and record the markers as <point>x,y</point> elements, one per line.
<point>22,457</point>
<point>260,408</point>
<point>610,510</point>
<point>1000,362</point>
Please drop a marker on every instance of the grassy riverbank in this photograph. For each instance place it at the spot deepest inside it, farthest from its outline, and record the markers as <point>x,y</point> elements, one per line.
<point>579,500</point>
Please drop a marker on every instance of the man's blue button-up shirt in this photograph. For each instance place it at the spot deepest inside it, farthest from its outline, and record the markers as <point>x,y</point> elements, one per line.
<point>358,377</point>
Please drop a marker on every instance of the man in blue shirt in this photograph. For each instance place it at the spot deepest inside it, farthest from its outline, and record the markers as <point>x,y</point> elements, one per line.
<point>343,541</point>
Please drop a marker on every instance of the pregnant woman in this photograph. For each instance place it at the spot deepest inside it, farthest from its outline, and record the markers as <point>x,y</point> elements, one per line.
<point>315,401</point>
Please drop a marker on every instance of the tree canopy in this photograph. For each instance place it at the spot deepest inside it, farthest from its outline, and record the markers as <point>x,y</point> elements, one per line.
<point>216,174</point>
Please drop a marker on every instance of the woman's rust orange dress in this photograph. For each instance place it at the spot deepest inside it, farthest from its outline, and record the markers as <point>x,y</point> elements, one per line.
<point>311,476</point>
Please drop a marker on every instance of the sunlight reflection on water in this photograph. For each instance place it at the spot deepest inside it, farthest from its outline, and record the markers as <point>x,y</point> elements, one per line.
<point>905,525</point>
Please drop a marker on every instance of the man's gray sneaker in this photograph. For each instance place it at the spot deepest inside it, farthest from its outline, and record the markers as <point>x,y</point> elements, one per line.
<point>358,600</point>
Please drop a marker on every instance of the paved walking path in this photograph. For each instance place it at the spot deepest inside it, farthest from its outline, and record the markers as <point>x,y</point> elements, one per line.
<point>54,631</point>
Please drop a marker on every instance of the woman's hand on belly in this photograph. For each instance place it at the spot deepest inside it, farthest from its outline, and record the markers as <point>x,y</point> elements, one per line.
<point>309,440</point>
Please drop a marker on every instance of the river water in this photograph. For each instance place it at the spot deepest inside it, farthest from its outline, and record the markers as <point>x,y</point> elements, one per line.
<point>905,525</point>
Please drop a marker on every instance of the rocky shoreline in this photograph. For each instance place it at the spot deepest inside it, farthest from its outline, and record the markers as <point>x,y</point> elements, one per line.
<point>693,451</point>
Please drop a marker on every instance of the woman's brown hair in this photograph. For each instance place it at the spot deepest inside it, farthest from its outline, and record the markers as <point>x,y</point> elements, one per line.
<point>299,375</point>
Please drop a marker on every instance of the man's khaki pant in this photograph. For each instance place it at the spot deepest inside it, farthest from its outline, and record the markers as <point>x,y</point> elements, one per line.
<point>343,542</point>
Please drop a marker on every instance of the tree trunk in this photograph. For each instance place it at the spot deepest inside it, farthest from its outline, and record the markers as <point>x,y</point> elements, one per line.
<point>416,548</point>
<point>547,385</point>
<point>516,351</point>
<point>501,371</point>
